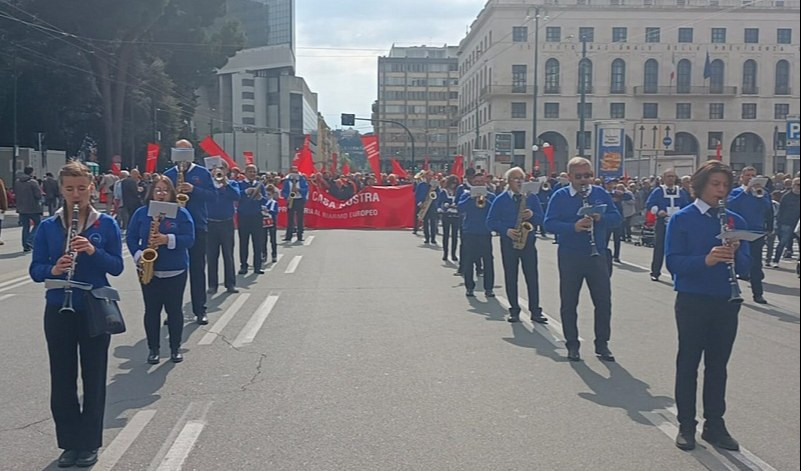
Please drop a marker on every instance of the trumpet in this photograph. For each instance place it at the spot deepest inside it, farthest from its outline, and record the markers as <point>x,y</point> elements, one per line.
<point>219,175</point>
<point>545,186</point>
<point>481,202</point>
<point>293,193</point>
<point>181,198</point>
<point>522,227</point>
<point>66,307</point>
<point>758,192</point>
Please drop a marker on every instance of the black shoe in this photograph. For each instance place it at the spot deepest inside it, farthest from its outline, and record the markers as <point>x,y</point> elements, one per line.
<point>445,258</point>
<point>719,437</point>
<point>231,290</point>
<point>573,354</point>
<point>458,273</point>
<point>470,294</point>
<point>27,249</point>
<point>604,354</point>
<point>202,319</point>
<point>489,294</point>
<point>616,260</point>
<point>275,259</point>
<point>258,271</point>
<point>212,290</point>
<point>685,440</point>
<point>513,318</point>
<point>433,241</point>
<point>86,458</point>
<point>300,239</point>
<point>243,271</point>
<point>153,358</point>
<point>654,277</point>
<point>454,258</point>
<point>176,357</point>
<point>68,458</point>
<point>539,318</point>
<point>760,299</point>
<point>425,241</point>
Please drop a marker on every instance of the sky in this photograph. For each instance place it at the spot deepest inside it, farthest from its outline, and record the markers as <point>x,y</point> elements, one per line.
<point>357,33</point>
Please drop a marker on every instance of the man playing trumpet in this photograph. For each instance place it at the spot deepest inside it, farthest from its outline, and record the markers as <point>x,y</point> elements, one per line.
<point>221,229</point>
<point>252,196</point>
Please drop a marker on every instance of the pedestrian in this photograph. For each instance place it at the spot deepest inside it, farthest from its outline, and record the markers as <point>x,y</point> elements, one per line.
<point>3,206</point>
<point>79,427</point>
<point>28,196</point>
<point>628,210</point>
<point>51,193</point>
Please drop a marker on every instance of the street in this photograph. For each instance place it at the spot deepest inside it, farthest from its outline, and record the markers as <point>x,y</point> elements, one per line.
<point>358,350</point>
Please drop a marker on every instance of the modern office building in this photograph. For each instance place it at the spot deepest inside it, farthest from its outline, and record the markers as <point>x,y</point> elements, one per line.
<point>713,71</point>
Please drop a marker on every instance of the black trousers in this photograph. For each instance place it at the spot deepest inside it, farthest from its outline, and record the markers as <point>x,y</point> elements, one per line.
<point>250,231</point>
<point>658,256</point>
<point>478,248</point>
<point>430,225</point>
<point>271,235</point>
<point>451,226</point>
<point>221,239</point>
<point>707,325</point>
<point>756,275</point>
<point>167,293</point>
<point>511,258</point>
<point>197,273</point>
<point>573,270</point>
<point>77,427</point>
<point>294,219</point>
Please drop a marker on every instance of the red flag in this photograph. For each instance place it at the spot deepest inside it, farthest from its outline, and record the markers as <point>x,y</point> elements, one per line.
<point>458,166</point>
<point>152,157</point>
<point>425,163</point>
<point>547,149</point>
<point>211,148</point>
<point>334,163</point>
<point>398,170</point>
<point>248,157</point>
<point>718,151</point>
<point>305,160</point>
<point>370,144</point>
<point>115,168</point>
<point>346,168</point>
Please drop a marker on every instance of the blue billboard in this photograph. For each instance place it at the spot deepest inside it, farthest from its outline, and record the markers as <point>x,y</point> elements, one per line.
<point>610,149</point>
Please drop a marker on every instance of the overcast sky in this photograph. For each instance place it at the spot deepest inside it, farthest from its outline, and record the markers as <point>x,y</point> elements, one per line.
<point>345,77</point>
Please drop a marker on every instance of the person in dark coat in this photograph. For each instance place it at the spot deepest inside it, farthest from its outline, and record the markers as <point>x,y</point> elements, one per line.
<point>29,206</point>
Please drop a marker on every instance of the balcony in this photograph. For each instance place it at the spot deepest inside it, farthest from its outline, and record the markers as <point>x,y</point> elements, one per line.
<point>553,90</point>
<point>685,91</point>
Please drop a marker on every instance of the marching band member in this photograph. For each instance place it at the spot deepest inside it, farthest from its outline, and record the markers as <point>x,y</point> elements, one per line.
<point>269,213</point>
<point>706,321</point>
<point>461,190</point>
<point>476,237</point>
<point>79,427</point>
<point>503,217</point>
<point>580,254</point>
<point>447,206</point>
<point>200,186</point>
<point>664,201</point>
<point>221,231</point>
<point>295,183</point>
<point>172,241</point>
<point>422,193</point>
<point>752,202</point>
<point>250,219</point>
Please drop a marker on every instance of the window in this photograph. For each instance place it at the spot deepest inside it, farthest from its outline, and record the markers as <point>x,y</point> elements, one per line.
<point>251,121</point>
<point>751,35</point>
<point>619,34</point>
<point>587,110</point>
<point>719,35</point>
<point>519,110</point>
<point>552,110</point>
<point>713,139</point>
<point>750,77</point>
<point>587,139</point>
<point>248,108</point>
<point>781,141</point>
<point>552,76</point>
<point>248,96</point>
<point>685,35</point>
<point>585,75</point>
<point>684,110</point>
<point>248,82</point>
<point>651,34</point>
<point>782,78</point>
<point>519,34</point>
<point>519,78</point>
<point>650,110</point>
<point>618,82</point>
<point>716,111</point>
<point>784,35</point>
<point>749,111</point>
<point>651,79</point>
<point>717,71</point>
<point>617,110</point>
<point>586,33</point>
<point>683,76</point>
<point>781,110</point>
<point>520,139</point>
<point>553,34</point>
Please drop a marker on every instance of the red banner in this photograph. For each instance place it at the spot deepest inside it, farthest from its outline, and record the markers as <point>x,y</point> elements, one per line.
<point>248,154</point>
<point>547,149</point>
<point>346,168</point>
<point>370,144</point>
<point>333,163</point>
<point>213,149</point>
<point>152,157</point>
<point>458,166</point>
<point>375,207</point>
<point>398,170</point>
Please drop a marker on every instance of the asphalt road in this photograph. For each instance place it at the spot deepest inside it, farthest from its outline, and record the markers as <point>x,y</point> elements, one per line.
<point>359,351</point>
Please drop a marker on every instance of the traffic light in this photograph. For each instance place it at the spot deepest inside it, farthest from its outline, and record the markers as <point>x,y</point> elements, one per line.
<point>348,119</point>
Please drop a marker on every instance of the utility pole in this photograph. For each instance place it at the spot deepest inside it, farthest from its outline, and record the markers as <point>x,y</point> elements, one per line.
<point>583,92</point>
<point>534,139</point>
<point>16,143</point>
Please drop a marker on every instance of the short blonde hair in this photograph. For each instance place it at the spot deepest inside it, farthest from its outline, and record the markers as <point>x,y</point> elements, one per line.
<point>75,168</point>
<point>578,162</point>
<point>512,171</point>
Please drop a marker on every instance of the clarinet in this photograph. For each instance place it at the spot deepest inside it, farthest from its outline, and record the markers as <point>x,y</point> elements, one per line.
<point>736,295</point>
<point>67,306</point>
<point>585,198</point>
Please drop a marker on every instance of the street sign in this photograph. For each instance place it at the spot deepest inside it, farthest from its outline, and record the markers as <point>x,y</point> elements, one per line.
<point>793,138</point>
<point>667,142</point>
<point>503,144</point>
<point>654,136</point>
<point>348,119</point>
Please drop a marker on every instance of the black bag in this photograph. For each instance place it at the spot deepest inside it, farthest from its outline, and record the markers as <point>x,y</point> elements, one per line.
<point>103,312</point>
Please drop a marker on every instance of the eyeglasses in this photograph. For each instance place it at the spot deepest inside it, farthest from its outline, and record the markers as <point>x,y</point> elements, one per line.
<point>579,176</point>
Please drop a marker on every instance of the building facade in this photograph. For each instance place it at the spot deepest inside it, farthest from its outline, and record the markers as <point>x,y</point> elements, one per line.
<point>711,71</point>
<point>418,86</point>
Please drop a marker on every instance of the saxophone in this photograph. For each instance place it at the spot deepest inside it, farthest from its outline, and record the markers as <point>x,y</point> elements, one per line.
<point>181,198</point>
<point>522,227</point>
<point>293,192</point>
<point>148,259</point>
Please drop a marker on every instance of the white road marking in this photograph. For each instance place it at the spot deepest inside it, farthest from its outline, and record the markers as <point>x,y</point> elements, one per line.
<point>277,260</point>
<point>5,296</point>
<point>174,460</point>
<point>554,338</point>
<point>224,319</point>
<point>248,333</point>
<point>191,413</point>
<point>308,240</point>
<point>112,454</point>
<point>15,280</point>
<point>10,287</point>
<point>293,264</point>
<point>623,262</point>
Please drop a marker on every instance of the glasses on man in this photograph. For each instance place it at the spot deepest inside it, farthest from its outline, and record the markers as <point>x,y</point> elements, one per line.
<point>580,176</point>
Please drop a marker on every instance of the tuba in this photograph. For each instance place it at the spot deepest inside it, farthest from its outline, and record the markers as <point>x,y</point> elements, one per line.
<point>736,295</point>
<point>585,198</point>
<point>522,227</point>
<point>148,259</point>
<point>181,198</point>
<point>66,307</point>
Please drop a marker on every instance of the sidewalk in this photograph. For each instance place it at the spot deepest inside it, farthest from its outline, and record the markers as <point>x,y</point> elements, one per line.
<point>12,218</point>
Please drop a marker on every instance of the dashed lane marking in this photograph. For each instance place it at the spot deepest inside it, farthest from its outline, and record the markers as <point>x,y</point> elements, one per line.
<point>223,321</point>
<point>17,285</point>
<point>112,454</point>
<point>195,413</point>
<point>277,261</point>
<point>293,264</point>
<point>248,333</point>
<point>308,240</point>
<point>5,296</point>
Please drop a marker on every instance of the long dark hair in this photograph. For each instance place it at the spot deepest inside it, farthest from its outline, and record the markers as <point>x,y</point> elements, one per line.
<point>701,176</point>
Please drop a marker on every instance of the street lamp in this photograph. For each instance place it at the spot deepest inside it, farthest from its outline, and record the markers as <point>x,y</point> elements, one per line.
<point>583,93</point>
<point>534,138</point>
